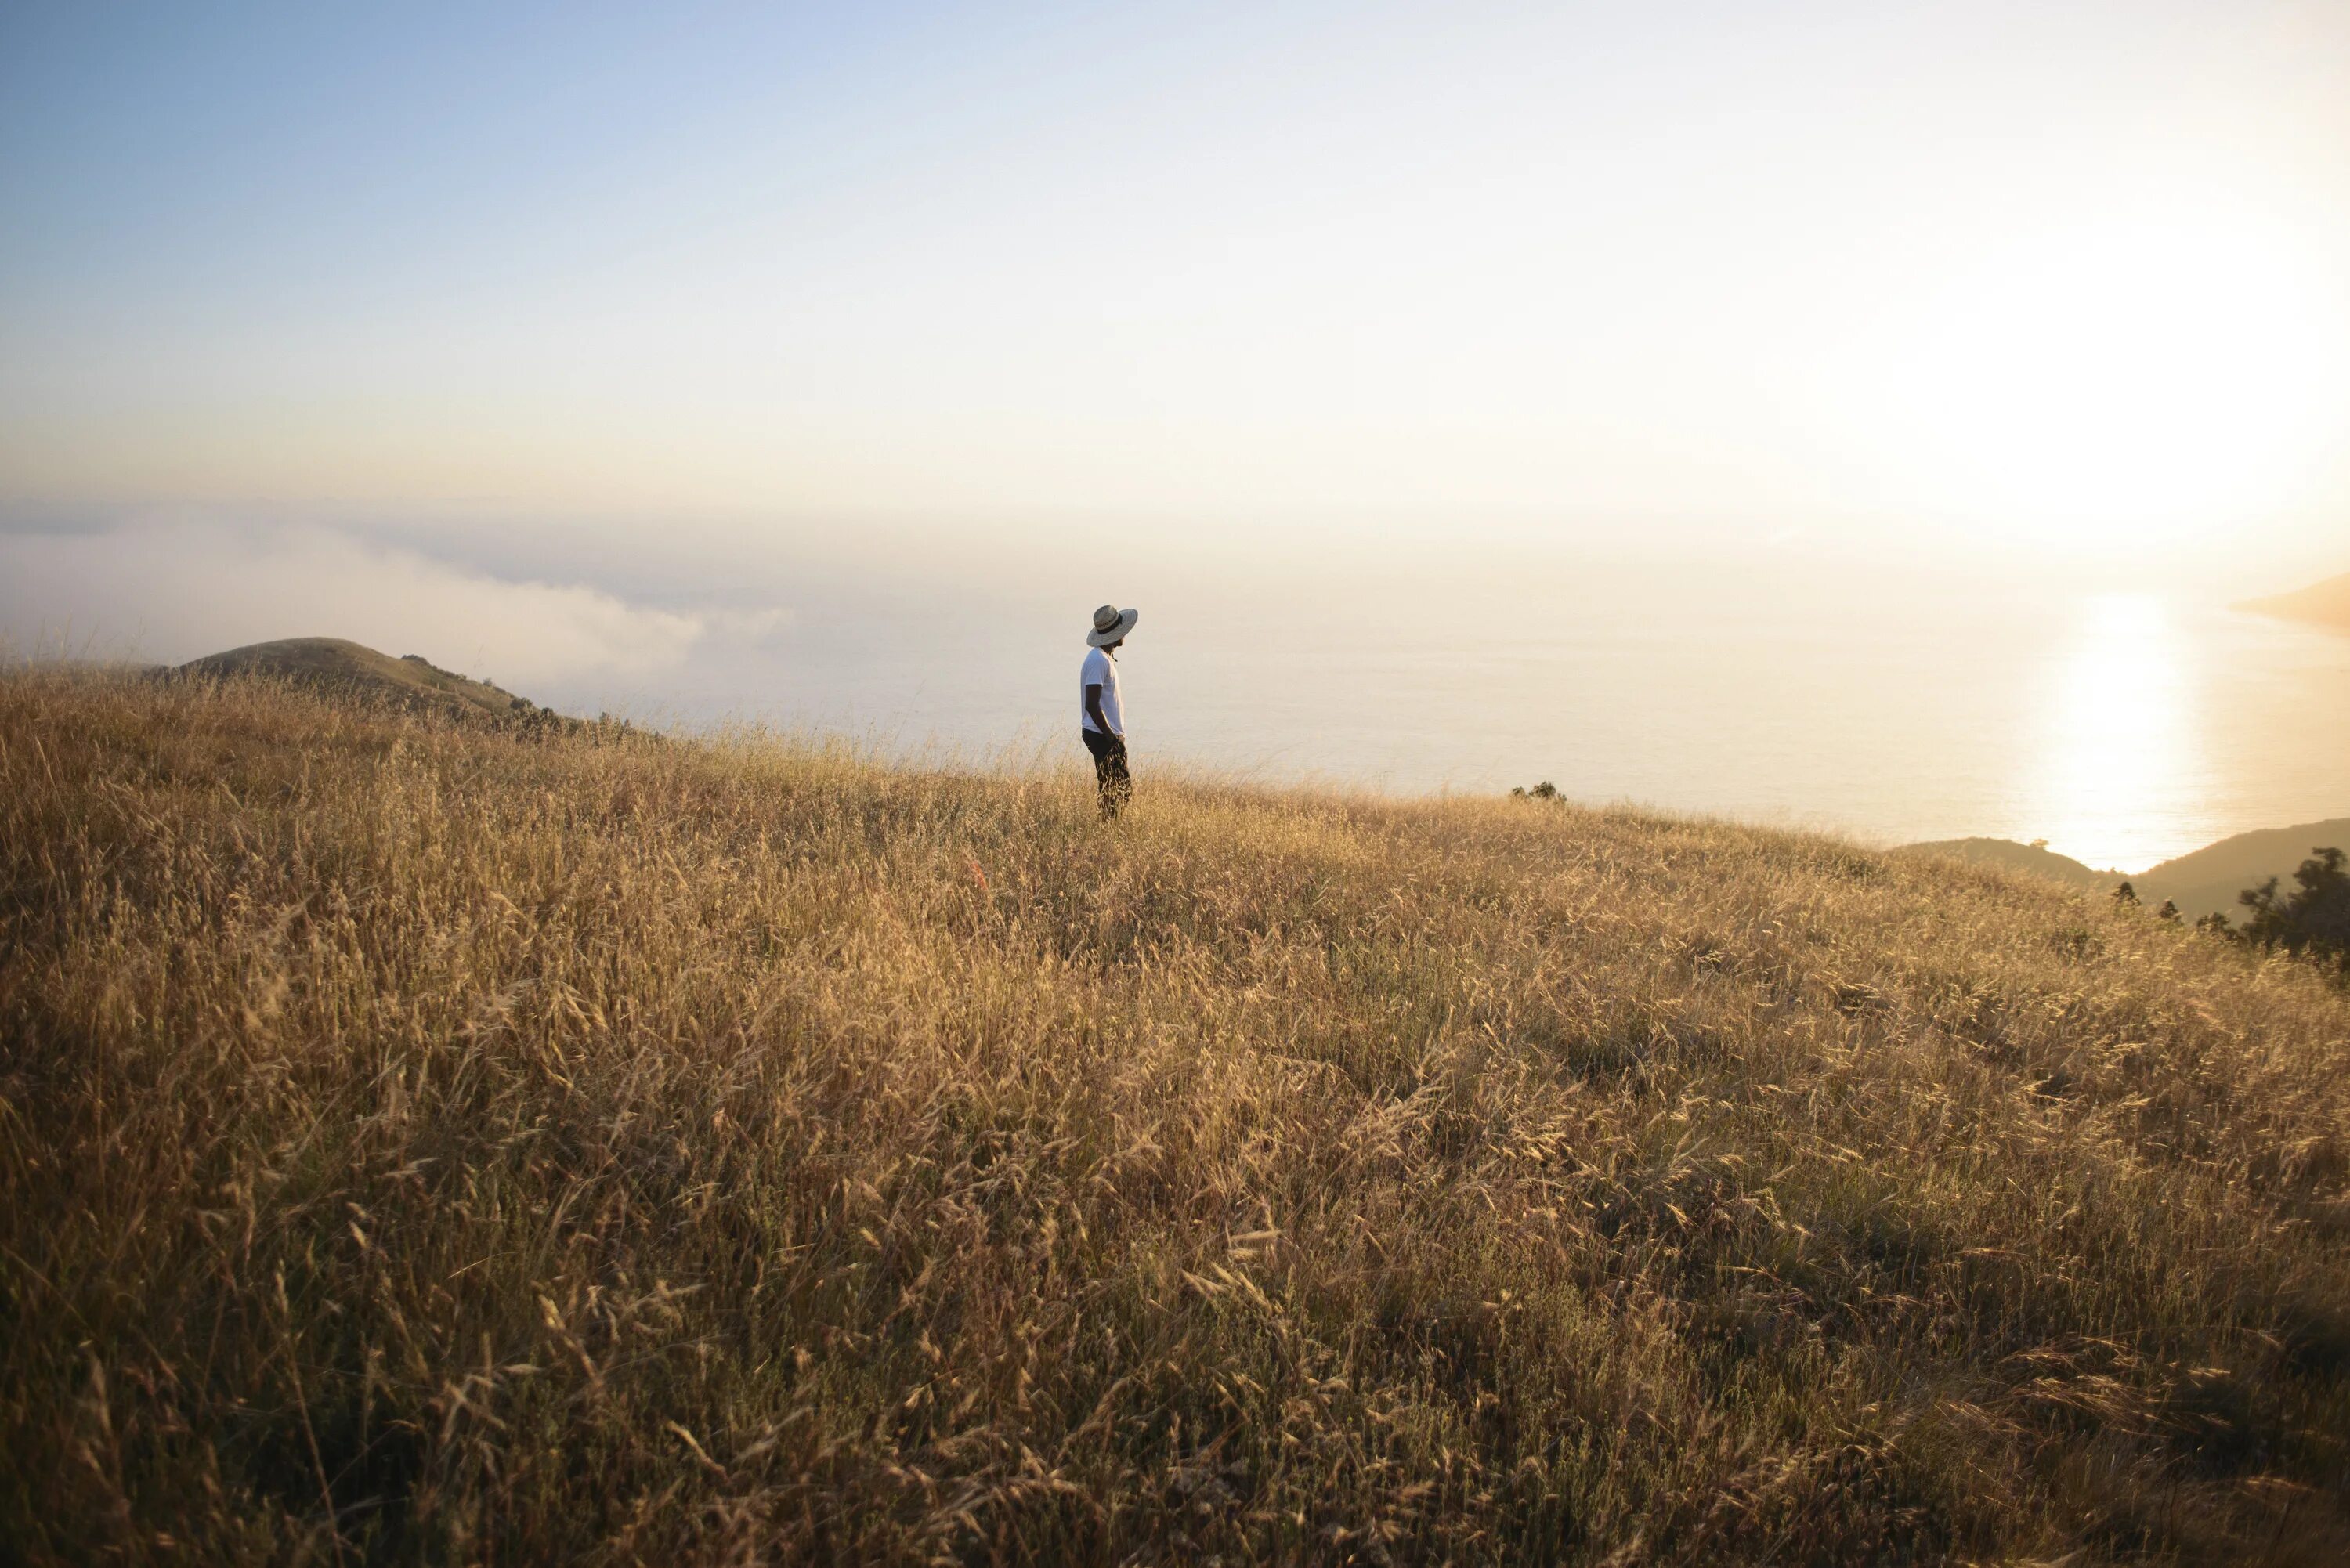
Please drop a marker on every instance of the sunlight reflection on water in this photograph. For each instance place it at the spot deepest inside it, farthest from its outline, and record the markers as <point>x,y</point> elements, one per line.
<point>2120,731</point>
<point>2122,728</point>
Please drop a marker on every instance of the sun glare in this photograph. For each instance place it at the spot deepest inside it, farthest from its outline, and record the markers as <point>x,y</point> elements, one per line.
<point>2116,740</point>
<point>2123,387</point>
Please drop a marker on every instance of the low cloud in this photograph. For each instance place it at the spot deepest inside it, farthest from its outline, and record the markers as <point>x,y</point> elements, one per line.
<point>170,591</point>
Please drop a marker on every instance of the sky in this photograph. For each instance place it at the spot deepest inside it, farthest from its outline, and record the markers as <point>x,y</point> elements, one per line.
<point>603,334</point>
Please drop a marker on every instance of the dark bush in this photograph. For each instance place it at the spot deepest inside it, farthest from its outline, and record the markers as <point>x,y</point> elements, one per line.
<point>2313,920</point>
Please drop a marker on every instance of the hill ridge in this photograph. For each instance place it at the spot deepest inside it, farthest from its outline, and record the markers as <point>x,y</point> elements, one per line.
<point>2200,882</point>
<point>341,668</point>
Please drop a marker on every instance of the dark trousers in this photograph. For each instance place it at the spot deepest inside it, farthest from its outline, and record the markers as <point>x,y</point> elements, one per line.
<point>1109,769</point>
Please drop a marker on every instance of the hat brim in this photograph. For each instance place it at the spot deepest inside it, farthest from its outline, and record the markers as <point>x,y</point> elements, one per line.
<point>1125,619</point>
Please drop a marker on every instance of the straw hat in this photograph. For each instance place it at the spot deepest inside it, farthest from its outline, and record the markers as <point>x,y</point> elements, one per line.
<point>1111,623</point>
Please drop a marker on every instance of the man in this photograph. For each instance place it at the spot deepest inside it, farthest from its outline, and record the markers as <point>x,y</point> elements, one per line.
<point>1098,709</point>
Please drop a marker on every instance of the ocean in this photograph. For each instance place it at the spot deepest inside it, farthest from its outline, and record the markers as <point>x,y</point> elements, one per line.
<point>2123,727</point>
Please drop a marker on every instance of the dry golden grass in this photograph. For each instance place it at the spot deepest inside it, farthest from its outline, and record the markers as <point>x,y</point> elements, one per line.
<point>428,1144</point>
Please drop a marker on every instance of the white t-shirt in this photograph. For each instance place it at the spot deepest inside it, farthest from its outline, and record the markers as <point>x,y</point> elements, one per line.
<point>1100,669</point>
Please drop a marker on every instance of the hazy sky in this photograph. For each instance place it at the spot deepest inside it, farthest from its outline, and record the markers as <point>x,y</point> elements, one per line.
<point>661,307</point>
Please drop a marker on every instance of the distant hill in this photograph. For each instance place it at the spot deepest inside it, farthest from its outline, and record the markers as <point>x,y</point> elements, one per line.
<point>347,668</point>
<point>2210,877</point>
<point>2009,856</point>
<point>2321,604</point>
<point>2205,880</point>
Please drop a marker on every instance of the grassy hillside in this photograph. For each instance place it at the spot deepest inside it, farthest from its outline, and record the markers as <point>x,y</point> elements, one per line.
<point>2007,854</point>
<point>420,1144</point>
<point>349,671</point>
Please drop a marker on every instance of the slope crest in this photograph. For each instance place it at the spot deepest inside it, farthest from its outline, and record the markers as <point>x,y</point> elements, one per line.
<point>339,667</point>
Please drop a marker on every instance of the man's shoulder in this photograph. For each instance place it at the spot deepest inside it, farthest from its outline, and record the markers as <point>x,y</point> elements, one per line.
<point>1096,660</point>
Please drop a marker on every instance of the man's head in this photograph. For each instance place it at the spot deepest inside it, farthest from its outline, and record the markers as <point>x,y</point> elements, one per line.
<point>1110,626</point>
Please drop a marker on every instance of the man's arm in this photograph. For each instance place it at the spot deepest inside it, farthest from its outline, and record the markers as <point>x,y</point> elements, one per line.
<point>1093,708</point>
